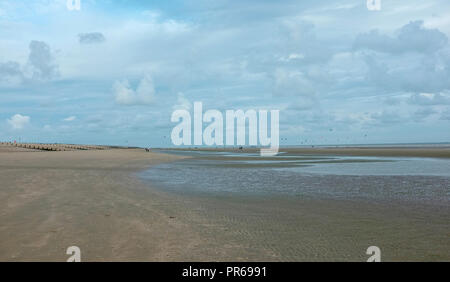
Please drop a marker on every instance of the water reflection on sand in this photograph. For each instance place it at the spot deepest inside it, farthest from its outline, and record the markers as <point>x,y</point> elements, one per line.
<point>311,207</point>
<point>410,179</point>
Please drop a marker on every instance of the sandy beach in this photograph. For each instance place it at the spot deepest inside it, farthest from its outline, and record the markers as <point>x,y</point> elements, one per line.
<point>94,200</point>
<point>52,200</point>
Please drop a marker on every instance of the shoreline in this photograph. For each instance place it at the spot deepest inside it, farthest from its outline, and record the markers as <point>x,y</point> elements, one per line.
<point>419,151</point>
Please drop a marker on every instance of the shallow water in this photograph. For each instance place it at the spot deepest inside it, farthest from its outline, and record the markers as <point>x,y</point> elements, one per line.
<point>315,208</point>
<point>422,180</point>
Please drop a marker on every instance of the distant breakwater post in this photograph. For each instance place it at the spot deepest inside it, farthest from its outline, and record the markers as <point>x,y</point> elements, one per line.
<point>213,134</point>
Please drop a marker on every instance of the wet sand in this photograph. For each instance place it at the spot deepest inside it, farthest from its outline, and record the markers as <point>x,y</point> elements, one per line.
<point>421,152</point>
<point>94,200</point>
<point>311,229</point>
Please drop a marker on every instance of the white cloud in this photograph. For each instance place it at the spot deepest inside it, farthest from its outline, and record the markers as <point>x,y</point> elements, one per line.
<point>40,66</point>
<point>302,38</point>
<point>182,103</point>
<point>292,83</point>
<point>143,95</point>
<point>411,37</point>
<point>291,57</point>
<point>18,121</point>
<point>71,118</point>
<point>123,92</point>
<point>411,71</point>
<point>429,99</point>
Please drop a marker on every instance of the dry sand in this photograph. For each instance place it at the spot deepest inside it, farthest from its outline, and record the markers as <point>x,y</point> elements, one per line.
<point>52,200</point>
<point>92,199</point>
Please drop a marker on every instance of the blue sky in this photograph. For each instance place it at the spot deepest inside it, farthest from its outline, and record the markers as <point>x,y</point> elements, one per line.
<point>113,72</point>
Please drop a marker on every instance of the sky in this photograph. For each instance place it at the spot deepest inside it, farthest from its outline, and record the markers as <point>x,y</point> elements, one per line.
<point>114,71</point>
